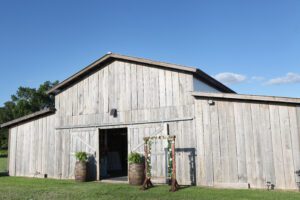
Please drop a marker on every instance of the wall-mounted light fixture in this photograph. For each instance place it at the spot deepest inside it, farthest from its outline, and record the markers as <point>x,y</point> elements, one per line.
<point>211,102</point>
<point>114,112</point>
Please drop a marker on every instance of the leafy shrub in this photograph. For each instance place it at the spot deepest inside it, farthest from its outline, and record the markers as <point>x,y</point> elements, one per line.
<point>81,156</point>
<point>135,158</point>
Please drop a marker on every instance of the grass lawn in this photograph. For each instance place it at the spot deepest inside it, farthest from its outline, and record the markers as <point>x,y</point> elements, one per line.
<point>3,164</point>
<point>27,188</point>
<point>3,152</point>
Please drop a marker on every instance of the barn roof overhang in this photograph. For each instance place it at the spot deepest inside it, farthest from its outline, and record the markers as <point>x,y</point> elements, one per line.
<point>112,56</point>
<point>243,97</point>
<point>29,117</point>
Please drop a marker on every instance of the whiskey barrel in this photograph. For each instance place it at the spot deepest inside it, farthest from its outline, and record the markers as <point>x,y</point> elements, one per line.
<point>136,174</point>
<point>80,171</point>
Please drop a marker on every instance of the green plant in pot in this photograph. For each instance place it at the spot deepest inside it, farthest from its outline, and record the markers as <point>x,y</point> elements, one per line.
<point>136,172</point>
<point>81,166</point>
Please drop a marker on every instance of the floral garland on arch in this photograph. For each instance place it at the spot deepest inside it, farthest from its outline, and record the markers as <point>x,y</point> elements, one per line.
<point>148,158</point>
<point>170,159</point>
<point>171,173</point>
<point>149,154</point>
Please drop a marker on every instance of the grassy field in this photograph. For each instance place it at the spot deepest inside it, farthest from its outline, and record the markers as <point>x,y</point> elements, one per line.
<point>3,152</point>
<point>3,164</point>
<point>3,160</point>
<point>27,188</point>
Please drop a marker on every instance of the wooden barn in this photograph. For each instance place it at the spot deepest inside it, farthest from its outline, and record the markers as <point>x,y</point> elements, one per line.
<point>223,139</point>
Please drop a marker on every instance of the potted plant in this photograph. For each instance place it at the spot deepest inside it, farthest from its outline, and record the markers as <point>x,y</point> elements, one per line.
<point>81,166</point>
<point>136,172</point>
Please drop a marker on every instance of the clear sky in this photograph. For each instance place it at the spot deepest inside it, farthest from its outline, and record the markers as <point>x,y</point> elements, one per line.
<point>252,46</point>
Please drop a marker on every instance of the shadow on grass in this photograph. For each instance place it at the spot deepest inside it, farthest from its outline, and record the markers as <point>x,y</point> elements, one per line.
<point>3,174</point>
<point>184,187</point>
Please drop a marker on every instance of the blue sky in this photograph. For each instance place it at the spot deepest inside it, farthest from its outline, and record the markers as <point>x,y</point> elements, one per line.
<point>252,46</point>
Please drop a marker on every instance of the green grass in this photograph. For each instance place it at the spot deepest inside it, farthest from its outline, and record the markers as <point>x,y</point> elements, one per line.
<point>3,164</point>
<point>3,151</point>
<point>27,188</point>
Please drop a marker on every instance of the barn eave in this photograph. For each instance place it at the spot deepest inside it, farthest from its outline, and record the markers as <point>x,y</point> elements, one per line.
<point>29,117</point>
<point>244,97</point>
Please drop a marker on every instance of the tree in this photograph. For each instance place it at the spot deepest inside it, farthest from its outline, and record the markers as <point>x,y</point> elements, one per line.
<point>26,101</point>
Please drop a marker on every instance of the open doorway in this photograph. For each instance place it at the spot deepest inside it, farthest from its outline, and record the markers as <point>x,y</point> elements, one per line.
<point>113,154</point>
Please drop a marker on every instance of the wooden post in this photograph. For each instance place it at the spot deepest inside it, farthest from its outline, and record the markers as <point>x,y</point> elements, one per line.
<point>147,182</point>
<point>174,183</point>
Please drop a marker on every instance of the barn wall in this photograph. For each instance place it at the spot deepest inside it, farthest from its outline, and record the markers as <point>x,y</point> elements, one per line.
<point>185,149</point>
<point>245,142</point>
<point>36,148</point>
<point>139,93</point>
<point>31,148</point>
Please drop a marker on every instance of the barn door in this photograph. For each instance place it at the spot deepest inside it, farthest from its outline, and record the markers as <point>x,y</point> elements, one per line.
<point>113,154</point>
<point>85,140</point>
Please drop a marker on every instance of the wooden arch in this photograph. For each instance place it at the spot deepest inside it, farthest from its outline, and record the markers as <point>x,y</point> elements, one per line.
<point>147,147</point>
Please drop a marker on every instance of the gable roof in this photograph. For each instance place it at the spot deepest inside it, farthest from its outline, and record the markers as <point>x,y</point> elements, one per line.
<point>107,58</point>
<point>29,117</point>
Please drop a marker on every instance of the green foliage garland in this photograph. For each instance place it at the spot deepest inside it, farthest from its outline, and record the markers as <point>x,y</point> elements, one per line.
<point>170,159</point>
<point>148,160</point>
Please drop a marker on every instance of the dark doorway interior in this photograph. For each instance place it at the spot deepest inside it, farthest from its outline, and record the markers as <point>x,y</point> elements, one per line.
<point>113,153</point>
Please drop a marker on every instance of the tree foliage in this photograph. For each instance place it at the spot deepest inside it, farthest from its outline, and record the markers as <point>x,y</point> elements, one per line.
<point>26,101</point>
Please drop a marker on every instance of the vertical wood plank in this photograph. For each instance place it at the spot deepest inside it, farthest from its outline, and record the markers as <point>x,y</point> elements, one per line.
<point>287,147</point>
<point>295,139</point>
<point>200,144</point>
<point>258,145</point>
<point>277,147</point>
<point>128,89</point>
<point>267,144</point>
<point>162,88</point>
<point>134,102</point>
<point>105,89</point>
<point>240,141</point>
<point>169,90</point>
<point>215,132</point>
<point>225,142</point>
<point>207,144</point>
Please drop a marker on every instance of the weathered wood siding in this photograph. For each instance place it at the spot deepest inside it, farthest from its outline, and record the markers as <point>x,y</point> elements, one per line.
<point>139,93</point>
<point>240,142</point>
<point>32,147</point>
<point>36,148</point>
<point>185,150</point>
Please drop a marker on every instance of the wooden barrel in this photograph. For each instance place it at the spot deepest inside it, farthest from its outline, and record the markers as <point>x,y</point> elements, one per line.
<point>136,174</point>
<point>80,171</point>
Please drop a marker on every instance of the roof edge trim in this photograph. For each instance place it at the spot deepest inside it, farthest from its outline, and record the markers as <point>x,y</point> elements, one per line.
<point>28,117</point>
<point>248,97</point>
